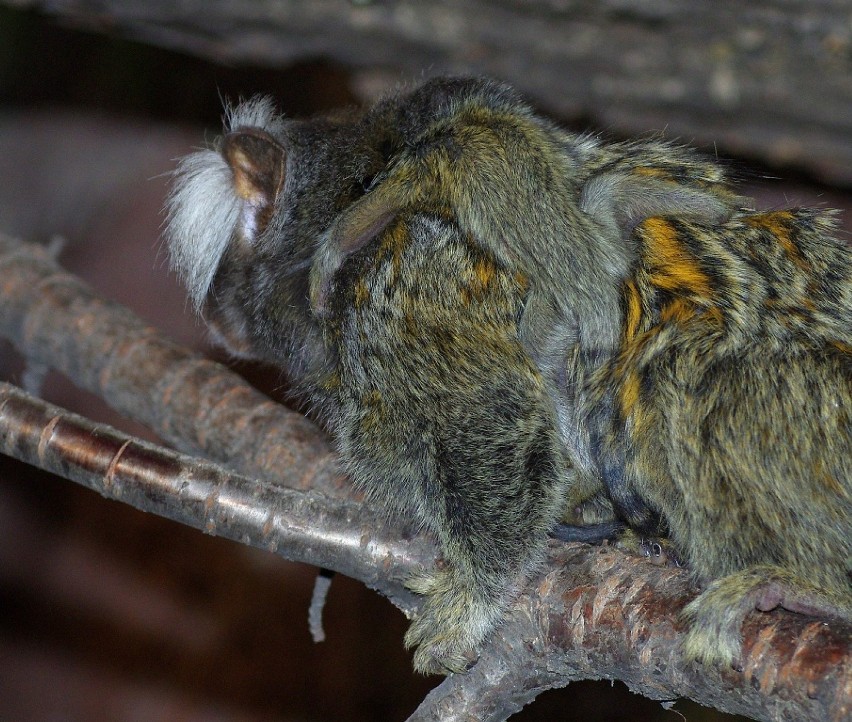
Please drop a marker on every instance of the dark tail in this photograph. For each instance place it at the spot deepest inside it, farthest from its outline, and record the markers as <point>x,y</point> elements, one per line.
<point>589,533</point>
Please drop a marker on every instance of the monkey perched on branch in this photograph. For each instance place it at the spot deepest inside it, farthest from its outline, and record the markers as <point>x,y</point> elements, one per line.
<point>506,326</point>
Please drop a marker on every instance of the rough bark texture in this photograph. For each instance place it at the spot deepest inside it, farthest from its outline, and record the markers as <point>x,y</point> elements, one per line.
<point>591,614</point>
<point>193,403</point>
<point>769,79</point>
<point>598,614</point>
<point>303,526</point>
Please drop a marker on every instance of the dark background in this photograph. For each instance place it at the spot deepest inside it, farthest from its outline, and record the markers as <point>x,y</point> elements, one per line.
<point>111,614</point>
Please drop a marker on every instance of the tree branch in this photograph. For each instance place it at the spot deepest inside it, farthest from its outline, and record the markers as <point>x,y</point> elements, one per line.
<point>303,526</point>
<point>194,404</point>
<point>769,79</point>
<point>591,613</point>
<point>599,614</point>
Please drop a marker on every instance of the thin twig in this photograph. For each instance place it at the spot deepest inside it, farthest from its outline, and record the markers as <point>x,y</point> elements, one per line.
<point>322,584</point>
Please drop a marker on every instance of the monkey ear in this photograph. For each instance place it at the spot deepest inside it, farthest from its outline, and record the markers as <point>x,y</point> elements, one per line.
<point>365,219</point>
<point>621,200</point>
<point>357,226</point>
<point>258,163</point>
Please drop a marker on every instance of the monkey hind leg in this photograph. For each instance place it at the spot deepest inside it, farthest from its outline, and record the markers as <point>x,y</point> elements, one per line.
<point>716,616</point>
<point>452,624</point>
<point>497,503</point>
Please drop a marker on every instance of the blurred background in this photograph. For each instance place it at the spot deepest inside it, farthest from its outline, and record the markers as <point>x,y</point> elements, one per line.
<point>111,614</point>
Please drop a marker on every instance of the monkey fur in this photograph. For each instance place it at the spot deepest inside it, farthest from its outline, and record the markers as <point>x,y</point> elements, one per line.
<point>505,326</point>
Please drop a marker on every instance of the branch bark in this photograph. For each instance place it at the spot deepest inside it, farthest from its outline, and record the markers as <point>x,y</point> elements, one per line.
<point>595,613</point>
<point>196,405</point>
<point>590,614</point>
<point>303,526</point>
<point>767,79</point>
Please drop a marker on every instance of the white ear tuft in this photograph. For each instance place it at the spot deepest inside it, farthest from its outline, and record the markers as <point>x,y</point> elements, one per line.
<point>202,212</point>
<point>205,207</point>
<point>258,112</point>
